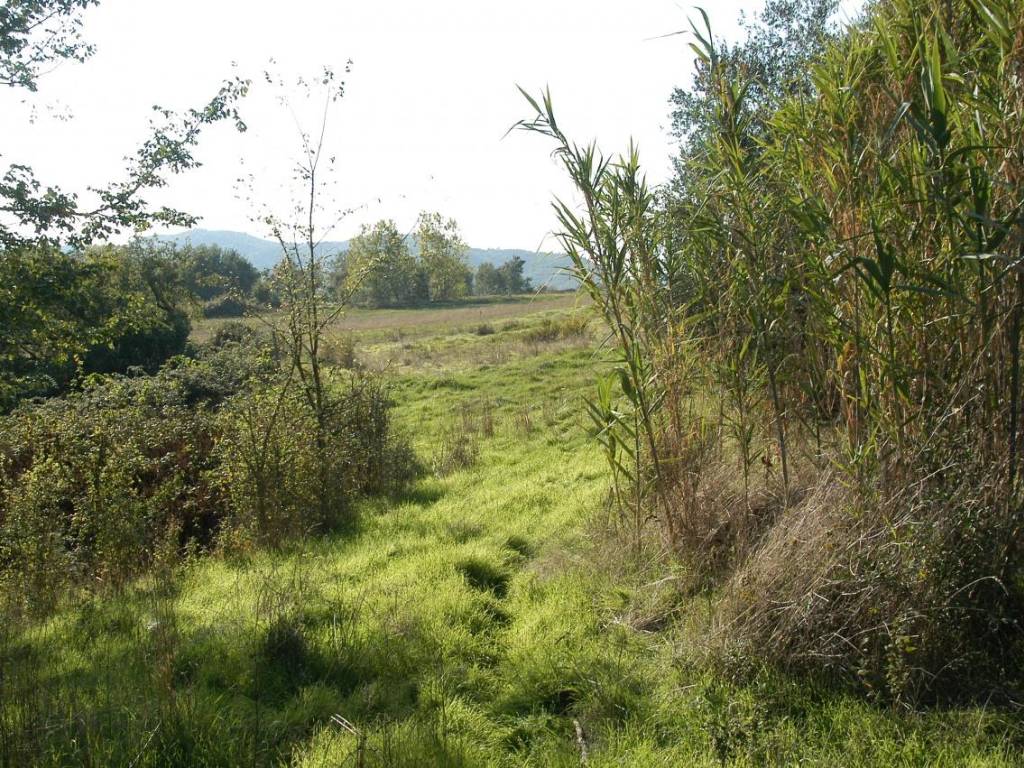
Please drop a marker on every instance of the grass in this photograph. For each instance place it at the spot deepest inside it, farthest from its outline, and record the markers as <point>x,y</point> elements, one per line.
<point>407,322</point>
<point>485,618</point>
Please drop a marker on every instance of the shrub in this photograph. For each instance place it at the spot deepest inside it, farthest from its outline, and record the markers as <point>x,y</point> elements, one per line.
<point>267,465</point>
<point>96,485</point>
<point>146,346</point>
<point>340,351</point>
<point>234,332</point>
<point>225,305</point>
<point>281,483</point>
<point>549,330</point>
<point>97,480</point>
<point>378,459</point>
<point>216,374</point>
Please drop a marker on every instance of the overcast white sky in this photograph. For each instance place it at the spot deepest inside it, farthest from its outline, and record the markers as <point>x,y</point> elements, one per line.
<point>430,96</point>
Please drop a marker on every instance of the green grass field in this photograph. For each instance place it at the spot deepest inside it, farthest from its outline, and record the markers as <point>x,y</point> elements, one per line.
<point>489,617</point>
<point>434,319</point>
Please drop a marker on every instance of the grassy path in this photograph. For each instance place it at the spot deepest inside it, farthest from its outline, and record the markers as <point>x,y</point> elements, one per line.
<point>479,621</point>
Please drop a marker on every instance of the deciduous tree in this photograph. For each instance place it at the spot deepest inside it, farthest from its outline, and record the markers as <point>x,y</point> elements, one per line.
<point>381,254</point>
<point>443,256</point>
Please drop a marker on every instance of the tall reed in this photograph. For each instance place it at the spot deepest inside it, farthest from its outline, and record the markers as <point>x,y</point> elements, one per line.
<point>832,293</point>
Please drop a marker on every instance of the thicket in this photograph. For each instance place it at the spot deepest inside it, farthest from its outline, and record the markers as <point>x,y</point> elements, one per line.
<point>817,329</point>
<point>147,455</point>
<point>102,310</point>
<point>222,282</point>
<point>214,452</point>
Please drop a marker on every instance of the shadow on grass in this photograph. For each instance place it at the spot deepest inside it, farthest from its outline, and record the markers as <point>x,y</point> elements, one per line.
<point>421,494</point>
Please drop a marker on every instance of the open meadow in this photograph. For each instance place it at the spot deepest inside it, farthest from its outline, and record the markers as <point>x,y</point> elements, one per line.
<point>435,319</point>
<point>453,335</point>
<point>483,616</point>
<point>728,470</point>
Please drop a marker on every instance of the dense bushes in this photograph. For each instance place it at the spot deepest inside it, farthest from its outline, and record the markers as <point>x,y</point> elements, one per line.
<point>145,346</point>
<point>110,308</point>
<point>225,305</point>
<point>233,332</point>
<point>100,311</point>
<point>96,486</point>
<point>280,483</point>
<point>819,381</point>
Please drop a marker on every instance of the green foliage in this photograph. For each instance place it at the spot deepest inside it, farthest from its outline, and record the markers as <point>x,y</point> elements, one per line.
<point>233,332</point>
<point>225,305</point>
<point>102,483</point>
<point>269,468</point>
<point>506,279</point>
<point>378,270</point>
<point>210,272</point>
<point>774,61</point>
<point>105,310</point>
<point>618,256</point>
<point>265,293</point>
<point>37,34</point>
<point>150,291</point>
<point>68,313</point>
<point>96,483</point>
<point>434,270</point>
<point>488,281</point>
<point>442,254</point>
<point>827,308</point>
<point>282,485</point>
<point>55,217</point>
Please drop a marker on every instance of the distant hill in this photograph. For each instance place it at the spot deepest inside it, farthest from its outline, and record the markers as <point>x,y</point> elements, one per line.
<point>262,254</point>
<point>542,268</point>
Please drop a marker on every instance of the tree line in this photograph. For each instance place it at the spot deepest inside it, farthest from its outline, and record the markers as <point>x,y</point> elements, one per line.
<point>430,266</point>
<point>111,308</point>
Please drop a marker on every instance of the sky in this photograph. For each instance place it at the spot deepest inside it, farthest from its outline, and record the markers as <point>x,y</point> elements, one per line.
<point>422,126</point>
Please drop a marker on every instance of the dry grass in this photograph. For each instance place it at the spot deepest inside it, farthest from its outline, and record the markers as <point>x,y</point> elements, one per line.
<point>418,321</point>
<point>901,593</point>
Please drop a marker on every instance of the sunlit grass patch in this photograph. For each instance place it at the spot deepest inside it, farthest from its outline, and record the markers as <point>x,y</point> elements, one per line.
<point>478,618</point>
